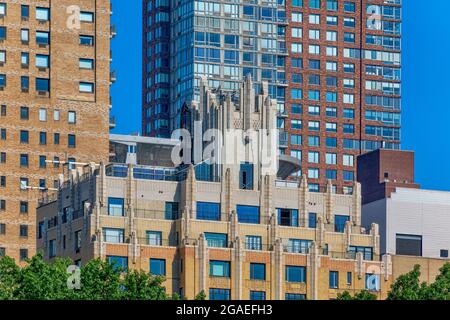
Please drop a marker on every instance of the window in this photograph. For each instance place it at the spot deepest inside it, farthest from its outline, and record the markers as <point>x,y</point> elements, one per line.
<point>408,245</point>
<point>217,240</point>
<point>296,124</point>
<point>42,85</point>
<point>23,253</point>
<point>171,210</point>
<point>257,295</point>
<point>42,61</point>
<point>25,83</point>
<point>56,115</point>
<point>349,7</point>
<point>295,274</point>
<point>86,64</point>
<point>77,241</point>
<point>349,278</point>
<point>2,204</point>
<point>72,117</point>
<point>119,263</point>
<point>2,181</point>
<point>24,160</point>
<point>56,138</point>
<point>298,245</point>
<point>366,251</point>
<point>219,294</point>
<point>348,175</point>
<point>314,4</point>
<point>253,243</point>
<point>257,271</point>
<point>348,160</point>
<point>42,38</point>
<point>208,211</point>
<point>42,138</point>
<point>248,214</point>
<point>25,35</point>
<point>312,220</point>
<point>71,141</point>
<point>86,40</point>
<point>23,231</point>
<point>86,16</point>
<point>25,11</point>
<point>158,267</point>
<point>294,296</point>
<point>86,87</point>
<point>42,14</point>
<point>2,56</point>
<point>42,162</point>
<point>246,176</point>
<point>339,222</point>
<point>2,9</point>
<point>287,217</point>
<point>296,139</point>
<point>313,157</point>
<point>113,235</point>
<point>331,158</point>
<point>2,80</point>
<point>443,253</point>
<point>23,207</point>
<point>154,238</point>
<point>219,268</point>
<point>42,115</point>
<point>116,207</point>
<point>334,279</point>
<point>2,33</point>
<point>24,113</point>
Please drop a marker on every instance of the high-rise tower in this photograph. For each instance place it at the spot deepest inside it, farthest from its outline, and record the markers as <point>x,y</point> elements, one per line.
<point>332,65</point>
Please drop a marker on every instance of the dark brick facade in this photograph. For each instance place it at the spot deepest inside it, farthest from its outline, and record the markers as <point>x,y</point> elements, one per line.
<point>381,171</point>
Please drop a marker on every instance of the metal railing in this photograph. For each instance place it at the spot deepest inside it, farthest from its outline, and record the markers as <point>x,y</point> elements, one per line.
<point>156,214</point>
<point>158,242</point>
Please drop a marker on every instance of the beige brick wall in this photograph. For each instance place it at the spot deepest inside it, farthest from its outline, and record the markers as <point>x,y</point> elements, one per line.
<point>92,109</point>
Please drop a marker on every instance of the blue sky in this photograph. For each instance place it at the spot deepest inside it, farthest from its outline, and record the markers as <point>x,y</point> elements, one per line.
<point>426,83</point>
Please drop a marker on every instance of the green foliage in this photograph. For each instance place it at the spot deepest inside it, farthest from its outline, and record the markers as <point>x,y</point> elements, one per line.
<point>99,280</point>
<point>200,296</point>
<point>408,286</point>
<point>39,280</point>
<point>362,295</point>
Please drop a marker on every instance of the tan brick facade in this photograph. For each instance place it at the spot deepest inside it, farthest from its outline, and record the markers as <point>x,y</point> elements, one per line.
<point>91,110</point>
<point>185,249</point>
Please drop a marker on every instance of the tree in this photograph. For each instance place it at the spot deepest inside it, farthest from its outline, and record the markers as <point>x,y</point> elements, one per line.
<point>408,287</point>
<point>200,296</point>
<point>9,275</point>
<point>99,280</point>
<point>139,285</point>
<point>440,288</point>
<point>362,295</point>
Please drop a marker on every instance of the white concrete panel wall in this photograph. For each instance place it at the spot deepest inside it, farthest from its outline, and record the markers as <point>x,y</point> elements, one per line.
<point>420,212</point>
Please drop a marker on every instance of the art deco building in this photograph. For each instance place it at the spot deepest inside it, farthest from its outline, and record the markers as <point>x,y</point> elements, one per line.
<point>231,230</point>
<point>54,97</point>
<point>332,65</point>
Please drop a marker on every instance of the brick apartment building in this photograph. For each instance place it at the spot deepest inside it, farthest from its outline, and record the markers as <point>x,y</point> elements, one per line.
<point>55,102</point>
